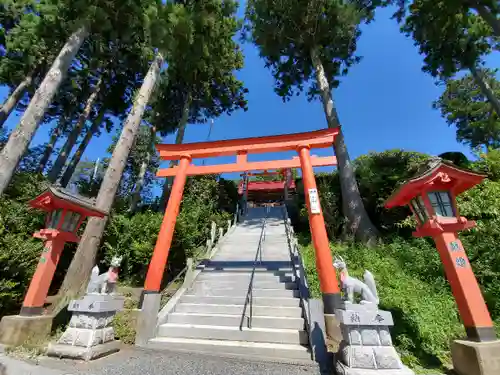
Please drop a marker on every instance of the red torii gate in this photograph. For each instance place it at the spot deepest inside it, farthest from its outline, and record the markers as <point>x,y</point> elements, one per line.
<point>300,142</point>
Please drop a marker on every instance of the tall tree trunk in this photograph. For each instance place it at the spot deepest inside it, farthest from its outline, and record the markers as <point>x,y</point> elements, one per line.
<point>70,169</point>
<point>73,136</point>
<point>21,137</point>
<point>56,133</point>
<point>178,140</point>
<point>487,16</point>
<point>14,98</point>
<point>136,195</point>
<point>485,88</point>
<point>358,221</point>
<point>83,261</point>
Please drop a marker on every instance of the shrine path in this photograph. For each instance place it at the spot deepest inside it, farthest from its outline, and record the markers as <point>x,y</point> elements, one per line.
<point>148,362</point>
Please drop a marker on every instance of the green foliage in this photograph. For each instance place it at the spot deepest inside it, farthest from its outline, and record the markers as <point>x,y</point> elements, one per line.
<point>287,31</point>
<point>377,174</point>
<point>19,251</point>
<point>206,199</point>
<point>457,158</point>
<point>200,74</point>
<point>409,274</point>
<point>134,236</point>
<point>449,36</point>
<point>464,106</point>
<point>125,321</point>
<point>482,204</point>
<point>411,286</point>
<point>489,163</point>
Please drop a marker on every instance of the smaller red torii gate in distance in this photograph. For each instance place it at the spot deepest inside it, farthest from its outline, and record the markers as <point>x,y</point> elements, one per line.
<point>302,143</point>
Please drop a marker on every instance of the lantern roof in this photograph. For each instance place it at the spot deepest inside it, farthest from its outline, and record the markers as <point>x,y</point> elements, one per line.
<point>59,198</point>
<point>434,172</point>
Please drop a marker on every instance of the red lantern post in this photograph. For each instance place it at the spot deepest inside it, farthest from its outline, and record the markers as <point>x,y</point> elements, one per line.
<point>431,196</point>
<point>65,214</point>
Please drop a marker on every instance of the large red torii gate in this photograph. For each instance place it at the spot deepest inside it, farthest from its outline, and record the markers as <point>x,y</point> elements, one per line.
<point>299,142</point>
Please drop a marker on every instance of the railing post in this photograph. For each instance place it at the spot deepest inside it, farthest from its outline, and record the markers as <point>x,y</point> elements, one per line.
<point>189,272</point>
<point>221,233</point>
<point>213,232</point>
<point>228,226</point>
<point>209,247</point>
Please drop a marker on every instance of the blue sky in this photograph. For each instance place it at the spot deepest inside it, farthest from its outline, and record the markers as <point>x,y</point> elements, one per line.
<point>383,103</point>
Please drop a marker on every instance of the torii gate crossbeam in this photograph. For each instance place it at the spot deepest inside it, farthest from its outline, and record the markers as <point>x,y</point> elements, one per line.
<point>299,142</point>
<point>194,170</point>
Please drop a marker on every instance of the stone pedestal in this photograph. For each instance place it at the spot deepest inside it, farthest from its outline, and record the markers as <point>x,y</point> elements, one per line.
<point>366,347</point>
<point>476,358</point>
<point>89,334</point>
<point>16,330</point>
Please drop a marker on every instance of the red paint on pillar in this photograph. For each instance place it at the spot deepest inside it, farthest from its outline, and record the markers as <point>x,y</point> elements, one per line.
<point>465,288</point>
<point>162,247</point>
<point>324,262</point>
<point>40,283</point>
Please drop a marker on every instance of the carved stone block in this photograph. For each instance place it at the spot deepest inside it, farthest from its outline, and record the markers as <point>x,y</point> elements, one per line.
<point>354,337</point>
<point>108,334</point>
<point>361,357</point>
<point>387,358</point>
<point>385,337</point>
<point>370,337</point>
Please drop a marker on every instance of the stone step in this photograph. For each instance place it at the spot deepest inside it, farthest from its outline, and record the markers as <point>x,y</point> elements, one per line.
<point>251,259</point>
<point>297,354</point>
<point>204,290</point>
<point>264,258</point>
<point>257,283</point>
<point>235,320</point>
<point>273,310</point>
<point>229,268</point>
<point>240,300</point>
<point>245,277</point>
<point>195,331</point>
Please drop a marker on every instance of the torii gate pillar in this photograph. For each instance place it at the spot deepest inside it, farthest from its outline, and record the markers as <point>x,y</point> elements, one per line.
<point>324,263</point>
<point>160,255</point>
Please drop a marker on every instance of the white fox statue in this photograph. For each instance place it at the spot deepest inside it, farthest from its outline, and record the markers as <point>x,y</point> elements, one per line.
<point>351,285</point>
<point>105,282</point>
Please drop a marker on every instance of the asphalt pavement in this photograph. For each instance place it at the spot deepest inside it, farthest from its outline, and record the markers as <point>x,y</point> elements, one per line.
<point>133,361</point>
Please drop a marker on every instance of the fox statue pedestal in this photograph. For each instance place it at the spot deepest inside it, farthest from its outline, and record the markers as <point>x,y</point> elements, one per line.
<point>366,347</point>
<point>90,334</point>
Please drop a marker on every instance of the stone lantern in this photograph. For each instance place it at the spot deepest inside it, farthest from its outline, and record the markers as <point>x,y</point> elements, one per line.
<point>431,196</point>
<point>65,214</point>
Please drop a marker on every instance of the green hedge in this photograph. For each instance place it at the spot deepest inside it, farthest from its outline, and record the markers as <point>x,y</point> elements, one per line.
<point>206,199</point>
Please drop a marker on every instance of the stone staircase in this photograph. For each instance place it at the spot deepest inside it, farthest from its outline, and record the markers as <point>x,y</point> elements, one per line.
<point>212,315</point>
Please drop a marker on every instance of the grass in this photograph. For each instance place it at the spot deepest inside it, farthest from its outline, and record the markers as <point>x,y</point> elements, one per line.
<point>424,310</point>
<point>124,322</point>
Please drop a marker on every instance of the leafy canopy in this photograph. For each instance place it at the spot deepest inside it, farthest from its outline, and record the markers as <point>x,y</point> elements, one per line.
<point>287,31</point>
<point>450,38</point>
<point>464,106</point>
<point>201,70</point>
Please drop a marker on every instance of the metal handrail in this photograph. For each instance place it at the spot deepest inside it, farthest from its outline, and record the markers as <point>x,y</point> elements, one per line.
<point>249,296</point>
